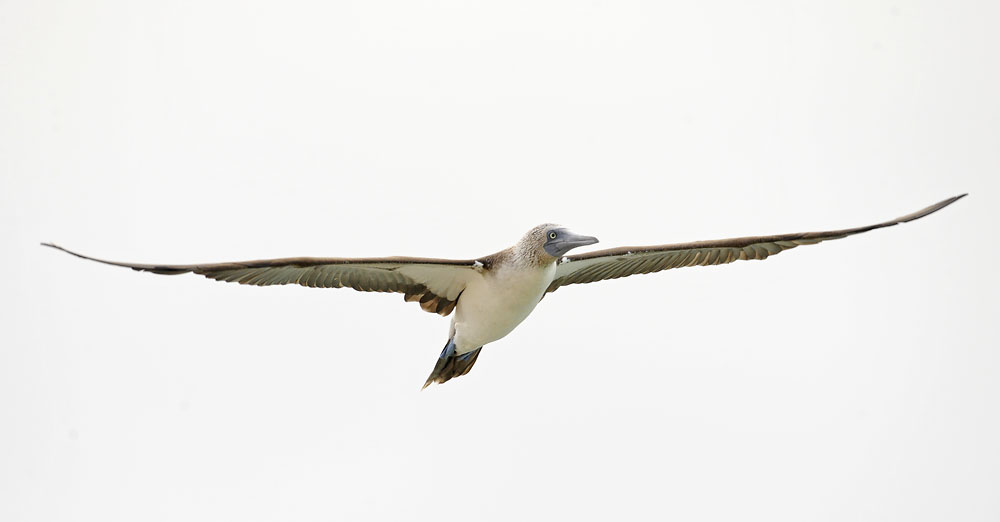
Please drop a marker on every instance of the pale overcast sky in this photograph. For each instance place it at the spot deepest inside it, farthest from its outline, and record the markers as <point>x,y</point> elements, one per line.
<point>853,380</point>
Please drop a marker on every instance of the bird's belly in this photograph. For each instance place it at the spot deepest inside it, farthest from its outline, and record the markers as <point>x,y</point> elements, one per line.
<point>492,307</point>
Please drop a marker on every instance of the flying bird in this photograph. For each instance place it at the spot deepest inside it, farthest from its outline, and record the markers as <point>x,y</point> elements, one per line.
<point>491,295</point>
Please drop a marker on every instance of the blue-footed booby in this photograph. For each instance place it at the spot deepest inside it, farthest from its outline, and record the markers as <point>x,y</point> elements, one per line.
<point>491,295</point>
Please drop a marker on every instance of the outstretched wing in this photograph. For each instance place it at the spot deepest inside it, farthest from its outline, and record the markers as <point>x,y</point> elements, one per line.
<point>434,283</point>
<point>625,261</point>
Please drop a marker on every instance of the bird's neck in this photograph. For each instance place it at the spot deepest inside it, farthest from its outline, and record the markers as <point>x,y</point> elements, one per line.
<point>530,256</point>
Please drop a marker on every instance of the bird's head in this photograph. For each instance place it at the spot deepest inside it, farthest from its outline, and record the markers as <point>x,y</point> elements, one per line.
<point>549,242</point>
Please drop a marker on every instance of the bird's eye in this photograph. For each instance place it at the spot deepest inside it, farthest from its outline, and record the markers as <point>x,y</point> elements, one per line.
<point>552,235</point>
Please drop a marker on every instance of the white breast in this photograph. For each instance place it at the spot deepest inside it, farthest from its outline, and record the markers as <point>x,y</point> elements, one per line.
<point>492,305</point>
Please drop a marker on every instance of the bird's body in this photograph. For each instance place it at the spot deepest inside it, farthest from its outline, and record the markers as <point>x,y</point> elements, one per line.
<point>498,300</point>
<point>493,294</point>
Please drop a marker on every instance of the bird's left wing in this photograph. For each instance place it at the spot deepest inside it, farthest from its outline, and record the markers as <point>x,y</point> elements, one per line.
<point>625,261</point>
<point>434,283</point>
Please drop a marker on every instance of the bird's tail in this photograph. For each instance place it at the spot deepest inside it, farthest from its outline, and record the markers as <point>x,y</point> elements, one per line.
<point>450,365</point>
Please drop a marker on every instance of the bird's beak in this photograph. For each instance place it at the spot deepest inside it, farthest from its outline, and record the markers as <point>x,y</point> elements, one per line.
<point>575,240</point>
<point>568,241</point>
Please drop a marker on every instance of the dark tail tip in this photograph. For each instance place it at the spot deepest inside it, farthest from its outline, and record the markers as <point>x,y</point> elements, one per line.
<point>450,365</point>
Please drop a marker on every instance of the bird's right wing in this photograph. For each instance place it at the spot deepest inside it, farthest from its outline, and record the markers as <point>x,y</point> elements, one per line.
<point>434,283</point>
<point>625,261</point>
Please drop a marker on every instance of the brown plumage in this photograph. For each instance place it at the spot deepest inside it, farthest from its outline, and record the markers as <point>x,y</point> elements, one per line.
<point>618,262</point>
<point>423,280</point>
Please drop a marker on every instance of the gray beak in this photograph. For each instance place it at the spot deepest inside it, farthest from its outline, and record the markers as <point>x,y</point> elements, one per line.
<point>568,241</point>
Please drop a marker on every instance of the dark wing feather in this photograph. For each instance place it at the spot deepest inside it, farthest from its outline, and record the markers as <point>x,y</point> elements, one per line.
<point>625,261</point>
<point>434,283</point>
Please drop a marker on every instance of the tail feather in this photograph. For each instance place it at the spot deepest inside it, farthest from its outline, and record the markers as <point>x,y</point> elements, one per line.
<point>450,365</point>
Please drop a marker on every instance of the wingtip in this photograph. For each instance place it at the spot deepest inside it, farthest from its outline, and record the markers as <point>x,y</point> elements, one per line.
<point>953,199</point>
<point>929,210</point>
<point>57,247</point>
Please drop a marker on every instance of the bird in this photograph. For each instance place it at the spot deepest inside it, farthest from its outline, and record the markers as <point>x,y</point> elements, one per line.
<point>493,294</point>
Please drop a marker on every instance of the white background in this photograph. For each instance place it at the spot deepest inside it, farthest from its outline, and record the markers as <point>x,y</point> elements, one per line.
<point>853,380</point>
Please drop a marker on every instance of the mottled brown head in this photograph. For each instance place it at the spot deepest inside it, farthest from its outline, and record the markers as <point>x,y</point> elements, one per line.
<point>548,242</point>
